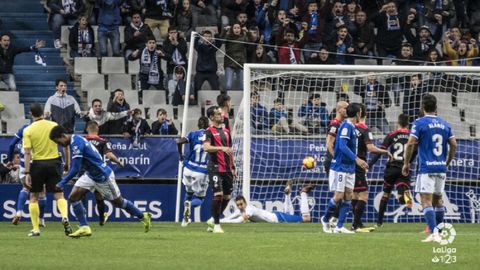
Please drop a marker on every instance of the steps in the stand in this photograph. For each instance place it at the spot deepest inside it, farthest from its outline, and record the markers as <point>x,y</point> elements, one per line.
<point>39,69</point>
<point>52,59</point>
<point>42,76</point>
<point>25,6</point>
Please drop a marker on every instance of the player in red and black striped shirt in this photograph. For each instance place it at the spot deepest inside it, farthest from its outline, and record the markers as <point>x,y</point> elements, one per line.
<point>104,148</point>
<point>218,145</point>
<point>224,102</point>
<point>395,142</point>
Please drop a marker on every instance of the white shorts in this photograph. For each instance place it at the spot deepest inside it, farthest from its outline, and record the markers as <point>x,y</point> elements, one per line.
<point>195,182</point>
<point>430,183</point>
<point>338,181</point>
<point>109,189</point>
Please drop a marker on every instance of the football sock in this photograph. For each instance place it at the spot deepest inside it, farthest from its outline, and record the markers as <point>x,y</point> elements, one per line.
<point>332,204</point>
<point>336,210</point>
<point>342,214</point>
<point>34,215</point>
<point>430,217</point>
<point>401,200</point>
<point>42,202</point>
<point>224,205</point>
<point>79,211</point>
<point>382,209</point>
<point>358,213</point>
<point>22,199</point>
<point>287,204</point>
<point>304,209</point>
<point>216,208</point>
<point>101,208</point>
<point>354,203</point>
<point>439,214</point>
<point>196,202</point>
<point>62,206</point>
<point>188,196</point>
<point>132,209</point>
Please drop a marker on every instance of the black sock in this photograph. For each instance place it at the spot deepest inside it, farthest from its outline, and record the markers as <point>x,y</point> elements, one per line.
<point>382,209</point>
<point>354,203</point>
<point>224,205</point>
<point>101,208</point>
<point>216,209</point>
<point>336,211</point>
<point>358,213</point>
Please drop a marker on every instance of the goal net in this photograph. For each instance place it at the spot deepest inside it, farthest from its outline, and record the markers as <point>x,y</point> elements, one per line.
<point>281,121</point>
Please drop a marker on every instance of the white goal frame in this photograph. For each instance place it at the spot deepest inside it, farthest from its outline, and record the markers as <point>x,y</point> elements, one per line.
<point>248,68</point>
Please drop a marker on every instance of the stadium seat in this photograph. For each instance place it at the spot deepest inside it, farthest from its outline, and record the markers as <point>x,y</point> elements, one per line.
<point>295,98</point>
<point>86,65</point>
<point>122,81</point>
<point>330,98</point>
<point>194,112</point>
<point>131,97</point>
<point>13,110</point>
<point>113,65</point>
<point>13,125</point>
<point>370,62</point>
<point>191,125</point>
<point>101,94</point>
<point>210,95</point>
<point>134,67</point>
<point>200,29</point>
<point>236,98</point>
<point>267,98</point>
<point>8,97</point>
<point>92,81</point>
<point>153,97</point>
<point>65,33</point>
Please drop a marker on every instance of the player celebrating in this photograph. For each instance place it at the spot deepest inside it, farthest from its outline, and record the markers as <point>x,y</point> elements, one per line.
<point>105,149</point>
<point>432,134</point>
<point>395,142</point>
<point>360,191</point>
<point>248,212</point>
<point>342,173</point>
<point>24,193</point>
<point>98,176</point>
<point>194,169</point>
<point>218,144</point>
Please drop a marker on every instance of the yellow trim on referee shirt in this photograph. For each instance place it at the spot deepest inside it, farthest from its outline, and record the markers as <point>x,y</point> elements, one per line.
<point>37,138</point>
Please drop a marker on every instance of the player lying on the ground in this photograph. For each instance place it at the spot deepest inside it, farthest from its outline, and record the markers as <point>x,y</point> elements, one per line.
<point>248,212</point>
<point>194,169</point>
<point>24,193</point>
<point>104,148</point>
<point>395,142</point>
<point>98,176</point>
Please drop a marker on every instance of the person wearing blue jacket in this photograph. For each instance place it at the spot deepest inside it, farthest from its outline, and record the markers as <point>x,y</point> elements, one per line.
<point>315,114</point>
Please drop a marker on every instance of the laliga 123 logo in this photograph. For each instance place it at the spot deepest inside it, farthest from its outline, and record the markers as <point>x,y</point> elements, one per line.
<point>447,233</point>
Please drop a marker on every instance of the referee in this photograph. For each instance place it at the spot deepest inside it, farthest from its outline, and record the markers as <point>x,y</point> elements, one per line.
<point>45,168</point>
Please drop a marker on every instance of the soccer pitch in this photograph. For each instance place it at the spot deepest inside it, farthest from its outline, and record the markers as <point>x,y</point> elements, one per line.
<point>243,246</point>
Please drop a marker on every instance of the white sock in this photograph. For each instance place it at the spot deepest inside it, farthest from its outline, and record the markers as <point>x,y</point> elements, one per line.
<point>304,209</point>
<point>287,205</point>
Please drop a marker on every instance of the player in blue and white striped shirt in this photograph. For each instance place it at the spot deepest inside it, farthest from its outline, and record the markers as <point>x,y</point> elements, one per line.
<point>432,134</point>
<point>341,178</point>
<point>194,169</point>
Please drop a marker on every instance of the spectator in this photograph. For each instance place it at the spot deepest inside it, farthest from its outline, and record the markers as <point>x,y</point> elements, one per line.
<point>185,20</point>
<point>82,39</point>
<point>280,20</point>
<point>176,48</point>
<point>434,78</point>
<point>315,27</point>
<point>279,119</point>
<point>235,53</point>
<point>255,39</point>
<point>177,88</point>
<point>206,48</point>
<point>63,12</point>
<point>257,10</point>
<point>164,125</point>
<point>62,108</point>
<point>289,50</point>
<point>351,10</point>
<point>335,18</point>
<point>376,99</point>
<point>137,6</point>
<point>258,115</point>
<point>109,20</point>
<point>230,9</point>
<point>7,58</point>
<point>315,114</point>
<point>260,55</point>
<point>398,83</point>
<point>412,98</point>
<point>136,34</point>
<point>423,40</point>
<point>389,29</point>
<point>342,44</point>
<point>364,37</point>
<point>9,174</point>
<point>473,10</point>
<point>151,73</point>
<point>242,19</point>
<point>158,15</point>
<point>102,117</point>
<point>204,13</point>
<point>117,104</point>
<point>136,126</point>
<point>321,58</point>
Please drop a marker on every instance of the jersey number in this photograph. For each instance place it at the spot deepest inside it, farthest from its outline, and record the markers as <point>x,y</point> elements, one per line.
<point>199,156</point>
<point>438,140</point>
<point>398,154</point>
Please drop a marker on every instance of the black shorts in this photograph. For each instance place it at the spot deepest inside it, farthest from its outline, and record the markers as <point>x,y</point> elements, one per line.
<point>393,176</point>
<point>45,172</point>
<point>221,182</point>
<point>360,180</point>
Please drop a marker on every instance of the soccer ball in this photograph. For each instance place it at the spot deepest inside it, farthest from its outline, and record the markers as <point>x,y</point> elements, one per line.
<point>309,163</point>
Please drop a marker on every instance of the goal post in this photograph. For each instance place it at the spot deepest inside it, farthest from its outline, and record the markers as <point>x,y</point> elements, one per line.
<point>266,159</point>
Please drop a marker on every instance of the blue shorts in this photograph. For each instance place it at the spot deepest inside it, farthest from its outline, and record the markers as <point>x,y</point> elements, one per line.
<point>287,218</point>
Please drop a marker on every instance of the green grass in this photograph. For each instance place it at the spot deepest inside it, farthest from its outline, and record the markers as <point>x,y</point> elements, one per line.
<point>243,246</point>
